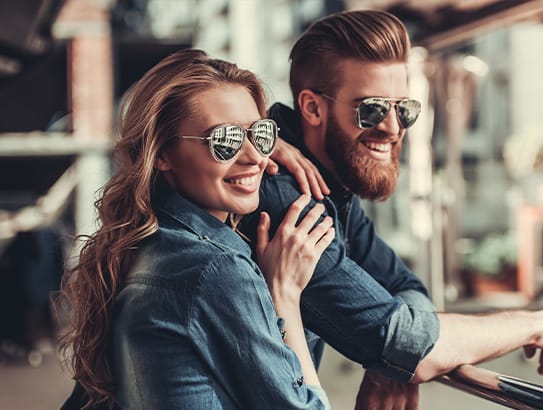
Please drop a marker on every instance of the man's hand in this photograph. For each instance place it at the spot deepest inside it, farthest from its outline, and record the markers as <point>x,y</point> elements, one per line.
<point>530,351</point>
<point>382,393</point>
<point>307,174</point>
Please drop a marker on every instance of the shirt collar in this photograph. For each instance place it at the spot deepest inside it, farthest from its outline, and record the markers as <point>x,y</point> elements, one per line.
<point>168,202</point>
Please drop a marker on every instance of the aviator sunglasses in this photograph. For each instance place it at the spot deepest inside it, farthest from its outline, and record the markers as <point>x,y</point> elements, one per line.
<point>372,110</point>
<point>226,140</point>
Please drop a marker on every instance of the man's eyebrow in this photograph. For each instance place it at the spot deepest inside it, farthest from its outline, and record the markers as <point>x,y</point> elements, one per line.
<point>359,99</point>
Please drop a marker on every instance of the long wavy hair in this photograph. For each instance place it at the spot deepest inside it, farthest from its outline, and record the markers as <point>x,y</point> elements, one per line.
<point>150,114</point>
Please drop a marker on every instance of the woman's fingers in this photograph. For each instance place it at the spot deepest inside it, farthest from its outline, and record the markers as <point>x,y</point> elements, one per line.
<point>320,229</point>
<point>262,233</point>
<point>325,240</point>
<point>322,235</point>
<point>294,211</point>
<point>308,227</point>
<point>311,218</point>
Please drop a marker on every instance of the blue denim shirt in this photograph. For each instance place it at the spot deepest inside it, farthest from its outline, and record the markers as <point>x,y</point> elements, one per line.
<point>195,327</point>
<point>362,299</point>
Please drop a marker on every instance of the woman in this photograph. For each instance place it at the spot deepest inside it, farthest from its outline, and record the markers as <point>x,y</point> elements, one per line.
<point>169,309</point>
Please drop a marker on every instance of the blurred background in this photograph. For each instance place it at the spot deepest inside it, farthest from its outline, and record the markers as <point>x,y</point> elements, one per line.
<point>467,215</point>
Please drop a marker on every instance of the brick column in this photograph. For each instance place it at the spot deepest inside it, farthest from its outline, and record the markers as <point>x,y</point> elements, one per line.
<point>86,24</point>
<point>90,67</point>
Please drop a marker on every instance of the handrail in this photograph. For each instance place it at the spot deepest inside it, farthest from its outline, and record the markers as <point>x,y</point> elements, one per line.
<point>47,209</point>
<point>483,383</point>
<point>51,144</point>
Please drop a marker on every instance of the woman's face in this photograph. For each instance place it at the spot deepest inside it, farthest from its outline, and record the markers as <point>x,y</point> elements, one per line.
<point>188,166</point>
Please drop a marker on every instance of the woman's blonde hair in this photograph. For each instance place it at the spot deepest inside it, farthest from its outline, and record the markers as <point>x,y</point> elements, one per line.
<point>151,113</point>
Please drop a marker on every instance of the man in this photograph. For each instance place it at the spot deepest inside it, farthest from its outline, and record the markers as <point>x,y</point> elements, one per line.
<point>349,82</point>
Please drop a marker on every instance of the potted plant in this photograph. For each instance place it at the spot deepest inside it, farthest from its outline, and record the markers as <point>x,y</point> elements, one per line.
<point>491,266</point>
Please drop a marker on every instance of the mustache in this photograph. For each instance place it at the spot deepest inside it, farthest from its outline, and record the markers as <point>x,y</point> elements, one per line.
<point>377,135</point>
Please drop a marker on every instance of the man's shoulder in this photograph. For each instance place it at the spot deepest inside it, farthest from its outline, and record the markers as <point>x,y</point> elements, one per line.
<point>282,184</point>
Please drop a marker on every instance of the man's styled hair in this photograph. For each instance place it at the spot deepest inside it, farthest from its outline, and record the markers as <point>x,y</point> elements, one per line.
<point>368,35</point>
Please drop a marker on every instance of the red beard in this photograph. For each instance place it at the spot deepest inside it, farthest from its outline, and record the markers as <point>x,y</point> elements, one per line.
<point>362,175</point>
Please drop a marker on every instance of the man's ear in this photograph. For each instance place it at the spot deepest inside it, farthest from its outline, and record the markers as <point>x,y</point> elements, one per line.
<point>311,106</point>
<point>162,163</point>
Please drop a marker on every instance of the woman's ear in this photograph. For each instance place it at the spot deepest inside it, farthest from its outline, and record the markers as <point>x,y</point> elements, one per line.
<point>162,163</point>
<point>311,107</point>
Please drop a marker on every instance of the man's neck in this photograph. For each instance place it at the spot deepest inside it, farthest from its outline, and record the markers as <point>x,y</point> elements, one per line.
<point>316,146</point>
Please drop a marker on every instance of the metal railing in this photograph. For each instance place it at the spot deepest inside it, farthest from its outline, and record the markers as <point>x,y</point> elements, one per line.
<point>489,385</point>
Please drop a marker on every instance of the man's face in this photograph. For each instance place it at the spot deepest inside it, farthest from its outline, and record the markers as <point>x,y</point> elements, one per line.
<point>366,160</point>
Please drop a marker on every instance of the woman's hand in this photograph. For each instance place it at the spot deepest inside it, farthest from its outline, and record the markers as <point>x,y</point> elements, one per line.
<point>288,260</point>
<point>307,174</point>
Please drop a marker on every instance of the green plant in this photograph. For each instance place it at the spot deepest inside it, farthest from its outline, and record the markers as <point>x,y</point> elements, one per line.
<point>493,255</point>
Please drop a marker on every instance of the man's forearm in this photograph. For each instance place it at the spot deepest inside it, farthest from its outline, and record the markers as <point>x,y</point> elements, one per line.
<point>470,339</point>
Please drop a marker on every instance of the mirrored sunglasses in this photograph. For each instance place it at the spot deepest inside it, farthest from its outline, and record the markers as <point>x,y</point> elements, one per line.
<point>372,110</point>
<point>225,141</point>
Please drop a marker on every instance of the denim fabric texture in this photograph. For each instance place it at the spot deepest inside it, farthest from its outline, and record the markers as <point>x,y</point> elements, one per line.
<point>362,299</point>
<point>195,326</point>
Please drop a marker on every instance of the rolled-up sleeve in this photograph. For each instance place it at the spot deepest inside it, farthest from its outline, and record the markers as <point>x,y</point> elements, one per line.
<point>417,300</point>
<point>409,339</point>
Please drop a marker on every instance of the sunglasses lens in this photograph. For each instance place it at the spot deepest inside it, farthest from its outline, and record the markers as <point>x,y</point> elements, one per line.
<point>264,136</point>
<point>408,112</point>
<point>226,141</point>
<point>371,111</point>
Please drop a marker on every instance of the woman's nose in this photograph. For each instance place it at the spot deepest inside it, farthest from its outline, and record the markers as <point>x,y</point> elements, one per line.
<point>249,153</point>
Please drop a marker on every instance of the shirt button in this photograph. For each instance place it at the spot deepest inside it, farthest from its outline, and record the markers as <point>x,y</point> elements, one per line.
<point>300,381</point>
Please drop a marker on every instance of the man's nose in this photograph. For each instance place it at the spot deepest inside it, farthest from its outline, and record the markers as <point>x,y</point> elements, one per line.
<point>390,124</point>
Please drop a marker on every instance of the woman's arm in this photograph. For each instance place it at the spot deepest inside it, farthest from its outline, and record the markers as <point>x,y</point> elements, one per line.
<point>218,339</point>
<point>288,262</point>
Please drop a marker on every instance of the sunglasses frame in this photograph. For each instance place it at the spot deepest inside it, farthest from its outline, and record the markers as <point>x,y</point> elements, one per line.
<point>389,101</point>
<point>248,133</point>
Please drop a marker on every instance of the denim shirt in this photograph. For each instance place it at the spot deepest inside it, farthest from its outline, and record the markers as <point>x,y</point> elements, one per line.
<point>362,299</point>
<point>195,327</point>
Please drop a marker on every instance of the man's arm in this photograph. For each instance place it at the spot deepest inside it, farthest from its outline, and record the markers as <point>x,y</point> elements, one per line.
<point>359,318</point>
<point>368,250</point>
<point>346,307</point>
<point>471,339</point>
<point>371,252</point>
<point>397,279</point>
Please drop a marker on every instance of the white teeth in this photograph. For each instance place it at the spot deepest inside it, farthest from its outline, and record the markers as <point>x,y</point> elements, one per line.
<point>243,181</point>
<point>377,146</point>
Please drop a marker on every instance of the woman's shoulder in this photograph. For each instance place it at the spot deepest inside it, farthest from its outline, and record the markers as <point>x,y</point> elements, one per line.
<point>198,247</point>
<point>174,258</point>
